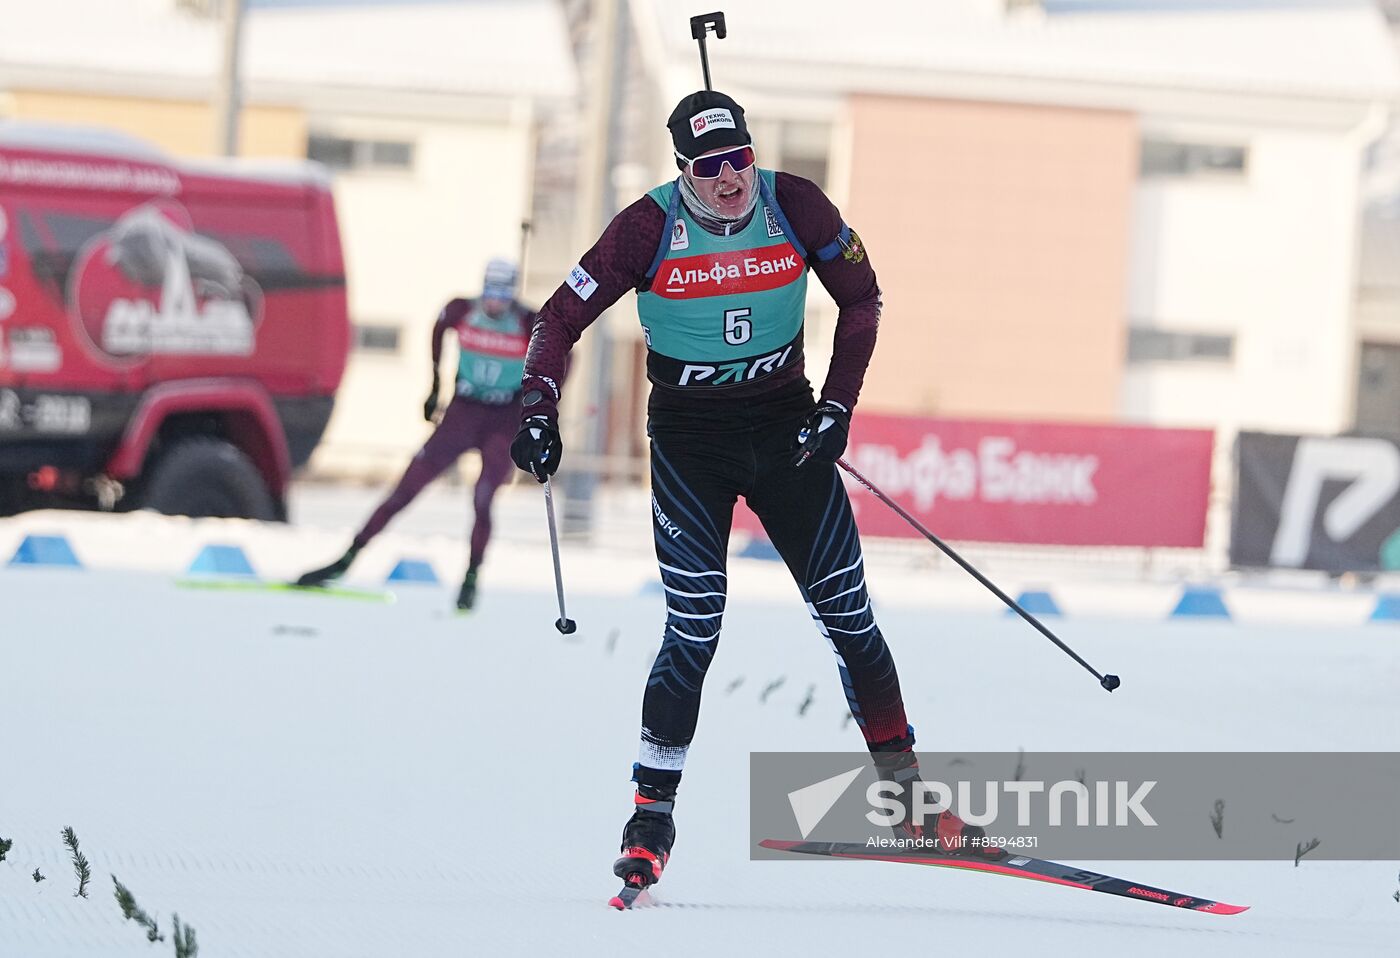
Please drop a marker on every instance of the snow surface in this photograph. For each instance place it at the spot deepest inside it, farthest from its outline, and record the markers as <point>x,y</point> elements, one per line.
<point>303,775</point>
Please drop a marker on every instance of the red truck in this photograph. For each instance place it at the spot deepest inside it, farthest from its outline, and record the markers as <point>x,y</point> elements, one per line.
<point>171,335</point>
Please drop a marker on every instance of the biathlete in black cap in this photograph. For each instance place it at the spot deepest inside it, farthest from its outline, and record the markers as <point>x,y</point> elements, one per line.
<point>719,260</point>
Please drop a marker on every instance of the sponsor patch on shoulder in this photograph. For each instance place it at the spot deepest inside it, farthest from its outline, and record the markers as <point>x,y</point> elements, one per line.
<point>582,283</point>
<point>680,239</point>
<point>853,250</point>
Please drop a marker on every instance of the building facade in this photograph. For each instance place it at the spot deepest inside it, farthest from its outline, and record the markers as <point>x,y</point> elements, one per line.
<point>1083,211</point>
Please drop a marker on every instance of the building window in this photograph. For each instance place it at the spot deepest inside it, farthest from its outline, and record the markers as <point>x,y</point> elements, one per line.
<point>1169,158</point>
<point>1377,389</point>
<point>376,338</point>
<point>1147,345</point>
<point>804,148</point>
<point>799,147</point>
<point>344,153</point>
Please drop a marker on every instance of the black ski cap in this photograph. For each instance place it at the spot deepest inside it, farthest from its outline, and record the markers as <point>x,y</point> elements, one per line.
<point>707,120</point>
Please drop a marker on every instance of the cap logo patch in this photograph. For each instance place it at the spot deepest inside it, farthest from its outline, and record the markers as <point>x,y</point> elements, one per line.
<point>713,119</point>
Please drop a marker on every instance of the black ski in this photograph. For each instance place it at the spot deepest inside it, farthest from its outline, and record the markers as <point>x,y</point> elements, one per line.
<point>1017,866</point>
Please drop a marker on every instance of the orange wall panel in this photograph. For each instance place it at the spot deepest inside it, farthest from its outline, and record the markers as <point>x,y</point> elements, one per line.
<point>1000,236</point>
<point>181,127</point>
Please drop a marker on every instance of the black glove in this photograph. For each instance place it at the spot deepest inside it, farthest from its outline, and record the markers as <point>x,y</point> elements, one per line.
<point>537,447</point>
<point>431,406</point>
<point>823,434</point>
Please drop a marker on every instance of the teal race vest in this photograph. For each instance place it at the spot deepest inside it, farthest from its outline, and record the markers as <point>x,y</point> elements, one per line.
<point>723,310</point>
<point>491,355</point>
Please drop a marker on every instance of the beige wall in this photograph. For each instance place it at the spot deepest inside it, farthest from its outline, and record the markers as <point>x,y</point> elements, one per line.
<point>181,127</point>
<point>1000,236</point>
<point>413,240</point>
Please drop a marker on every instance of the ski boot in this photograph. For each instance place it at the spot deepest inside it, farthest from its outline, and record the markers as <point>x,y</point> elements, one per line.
<point>335,570</point>
<point>466,596</point>
<point>946,834</point>
<point>646,843</point>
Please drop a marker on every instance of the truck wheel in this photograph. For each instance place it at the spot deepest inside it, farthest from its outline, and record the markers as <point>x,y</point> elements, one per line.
<point>208,477</point>
<point>11,496</point>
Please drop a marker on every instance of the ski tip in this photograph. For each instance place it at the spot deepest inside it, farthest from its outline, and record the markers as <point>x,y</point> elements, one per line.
<point>635,885</point>
<point>1220,908</point>
<point>625,899</point>
<point>779,844</point>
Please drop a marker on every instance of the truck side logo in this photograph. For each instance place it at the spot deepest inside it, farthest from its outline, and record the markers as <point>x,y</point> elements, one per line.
<point>150,285</point>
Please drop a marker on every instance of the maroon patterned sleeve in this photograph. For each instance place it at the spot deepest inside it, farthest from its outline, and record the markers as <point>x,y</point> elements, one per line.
<point>447,319</point>
<point>618,262</point>
<point>849,279</point>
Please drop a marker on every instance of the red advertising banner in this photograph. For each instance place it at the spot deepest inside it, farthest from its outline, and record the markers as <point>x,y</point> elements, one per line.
<point>1031,483</point>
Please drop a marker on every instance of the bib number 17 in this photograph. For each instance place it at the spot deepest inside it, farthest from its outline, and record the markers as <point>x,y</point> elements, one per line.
<point>488,371</point>
<point>737,327</point>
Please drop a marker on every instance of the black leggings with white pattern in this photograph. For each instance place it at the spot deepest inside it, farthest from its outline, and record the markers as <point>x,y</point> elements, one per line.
<point>700,464</point>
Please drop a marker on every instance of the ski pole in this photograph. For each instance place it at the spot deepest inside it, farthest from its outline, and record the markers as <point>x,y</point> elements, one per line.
<point>565,624</point>
<point>699,26</point>
<point>525,227</point>
<point>1109,682</point>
